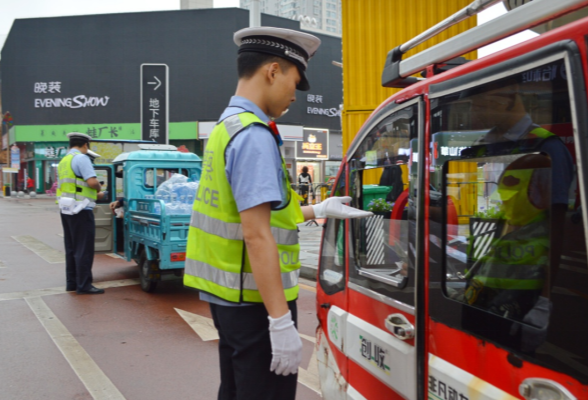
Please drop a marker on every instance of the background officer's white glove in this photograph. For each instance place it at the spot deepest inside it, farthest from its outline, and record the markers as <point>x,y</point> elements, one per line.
<point>534,335</point>
<point>286,345</point>
<point>333,207</point>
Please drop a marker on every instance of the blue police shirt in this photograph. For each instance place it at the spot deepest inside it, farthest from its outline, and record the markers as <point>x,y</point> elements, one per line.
<point>253,168</point>
<point>82,166</point>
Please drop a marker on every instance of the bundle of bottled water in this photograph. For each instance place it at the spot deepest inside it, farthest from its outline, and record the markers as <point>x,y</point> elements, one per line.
<point>177,194</point>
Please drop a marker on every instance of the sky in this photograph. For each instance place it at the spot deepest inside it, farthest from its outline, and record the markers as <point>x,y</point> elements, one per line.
<point>11,9</point>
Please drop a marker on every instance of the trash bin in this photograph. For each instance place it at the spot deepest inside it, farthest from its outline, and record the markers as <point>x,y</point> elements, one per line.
<point>372,192</point>
<point>6,191</point>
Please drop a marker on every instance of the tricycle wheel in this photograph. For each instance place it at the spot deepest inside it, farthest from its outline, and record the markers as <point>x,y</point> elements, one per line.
<point>147,268</point>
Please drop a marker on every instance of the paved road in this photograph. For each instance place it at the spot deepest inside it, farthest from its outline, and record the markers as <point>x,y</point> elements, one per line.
<point>125,344</point>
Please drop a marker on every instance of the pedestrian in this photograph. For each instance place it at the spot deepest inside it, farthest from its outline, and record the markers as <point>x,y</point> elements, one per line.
<point>30,185</point>
<point>243,251</point>
<point>304,185</point>
<point>77,192</point>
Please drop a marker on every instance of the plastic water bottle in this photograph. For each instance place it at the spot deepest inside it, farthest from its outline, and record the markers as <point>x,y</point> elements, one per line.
<point>174,207</point>
<point>189,203</point>
<point>157,205</point>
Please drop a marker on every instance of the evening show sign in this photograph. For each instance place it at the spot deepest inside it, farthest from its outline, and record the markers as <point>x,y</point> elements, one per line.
<point>314,144</point>
<point>54,87</point>
<point>318,108</point>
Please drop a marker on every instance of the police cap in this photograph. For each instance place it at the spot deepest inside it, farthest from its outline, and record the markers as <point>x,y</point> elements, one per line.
<point>79,136</point>
<point>296,47</point>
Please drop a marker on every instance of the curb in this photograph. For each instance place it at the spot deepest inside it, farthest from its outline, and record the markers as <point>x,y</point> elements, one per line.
<point>308,272</point>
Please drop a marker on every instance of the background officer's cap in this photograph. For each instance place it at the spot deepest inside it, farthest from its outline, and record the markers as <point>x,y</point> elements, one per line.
<point>92,154</point>
<point>296,47</point>
<point>79,136</point>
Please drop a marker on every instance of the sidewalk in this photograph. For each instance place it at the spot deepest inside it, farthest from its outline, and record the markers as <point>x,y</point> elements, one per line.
<point>309,236</point>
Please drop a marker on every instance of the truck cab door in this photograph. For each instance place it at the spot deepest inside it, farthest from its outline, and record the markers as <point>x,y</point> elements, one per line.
<point>332,299</point>
<point>104,241</point>
<point>372,330</point>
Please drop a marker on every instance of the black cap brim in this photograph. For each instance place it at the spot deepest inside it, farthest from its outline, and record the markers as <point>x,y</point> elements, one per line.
<point>303,85</point>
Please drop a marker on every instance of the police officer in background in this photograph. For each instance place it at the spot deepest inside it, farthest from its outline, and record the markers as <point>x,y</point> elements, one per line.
<point>243,251</point>
<point>77,192</point>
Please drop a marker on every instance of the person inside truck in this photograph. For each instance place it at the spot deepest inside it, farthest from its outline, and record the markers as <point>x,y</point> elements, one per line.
<point>500,107</point>
<point>242,252</point>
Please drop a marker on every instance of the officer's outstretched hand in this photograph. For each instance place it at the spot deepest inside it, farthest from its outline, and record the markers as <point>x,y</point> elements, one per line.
<point>333,207</point>
<point>286,345</point>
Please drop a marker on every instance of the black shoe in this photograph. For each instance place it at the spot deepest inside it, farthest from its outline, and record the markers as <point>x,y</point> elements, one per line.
<point>92,290</point>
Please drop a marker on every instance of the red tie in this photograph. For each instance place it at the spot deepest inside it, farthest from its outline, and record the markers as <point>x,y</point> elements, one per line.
<point>274,129</point>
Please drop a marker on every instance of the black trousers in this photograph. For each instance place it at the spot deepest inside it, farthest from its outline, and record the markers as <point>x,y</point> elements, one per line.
<point>79,232</point>
<point>246,353</point>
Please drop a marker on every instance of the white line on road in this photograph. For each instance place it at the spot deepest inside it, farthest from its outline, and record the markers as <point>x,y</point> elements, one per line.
<point>44,251</point>
<point>203,326</point>
<point>61,289</point>
<point>2,265</point>
<point>97,383</point>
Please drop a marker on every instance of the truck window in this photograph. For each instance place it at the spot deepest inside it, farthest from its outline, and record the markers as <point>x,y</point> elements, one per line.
<point>512,240</point>
<point>381,180</point>
<point>103,176</point>
<point>332,265</point>
<point>160,175</point>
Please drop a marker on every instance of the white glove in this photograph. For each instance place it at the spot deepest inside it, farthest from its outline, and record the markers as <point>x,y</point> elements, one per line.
<point>286,345</point>
<point>333,207</point>
<point>534,335</point>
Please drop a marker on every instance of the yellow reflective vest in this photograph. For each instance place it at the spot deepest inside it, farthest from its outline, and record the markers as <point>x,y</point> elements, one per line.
<point>216,255</point>
<point>70,185</point>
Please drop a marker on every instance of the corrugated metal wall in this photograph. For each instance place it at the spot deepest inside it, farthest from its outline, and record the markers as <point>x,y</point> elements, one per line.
<point>371,28</point>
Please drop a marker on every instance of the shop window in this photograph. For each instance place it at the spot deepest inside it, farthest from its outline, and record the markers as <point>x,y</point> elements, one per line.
<point>511,237</point>
<point>381,174</point>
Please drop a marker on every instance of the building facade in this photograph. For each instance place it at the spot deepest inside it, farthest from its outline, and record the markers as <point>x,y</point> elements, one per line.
<point>84,74</point>
<point>322,16</point>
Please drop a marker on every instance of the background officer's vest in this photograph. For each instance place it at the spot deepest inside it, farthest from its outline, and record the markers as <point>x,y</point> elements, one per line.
<point>70,185</point>
<point>216,255</point>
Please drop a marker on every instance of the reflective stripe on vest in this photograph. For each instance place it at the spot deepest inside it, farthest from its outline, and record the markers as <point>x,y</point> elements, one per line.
<point>216,256</point>
<point>234,231</point>
<point>71,186</point>
<point>232,280</point>
<point>518,260</point>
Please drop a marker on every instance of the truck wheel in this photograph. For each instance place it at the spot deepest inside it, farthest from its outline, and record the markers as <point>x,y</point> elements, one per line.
<point>147,268</point>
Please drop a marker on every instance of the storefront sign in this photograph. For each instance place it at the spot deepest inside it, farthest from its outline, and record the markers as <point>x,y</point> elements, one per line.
<point>14,158</point>
<point>318,99</point>
<point>79,101</point>
<point>154,102</point>
<point>50,151</point>
<point>314,144</point>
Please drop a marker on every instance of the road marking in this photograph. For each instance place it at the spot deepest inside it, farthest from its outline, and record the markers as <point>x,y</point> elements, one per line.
<point>44,251</point>
<point>306,287</point>
<point>310,377</point>
<point>61,289</point>
<point>311,339</point>
<point>97,383</point>
<point>2,265</point>
<point>114,255</point>
<point>203,326</point>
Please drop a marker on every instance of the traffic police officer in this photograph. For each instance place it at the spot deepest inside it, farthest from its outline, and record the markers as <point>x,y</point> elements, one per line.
<point>243,251</point>
<point>77,192</point>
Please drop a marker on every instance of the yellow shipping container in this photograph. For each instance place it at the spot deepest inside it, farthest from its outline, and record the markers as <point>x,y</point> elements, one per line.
<point>371,28</point>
